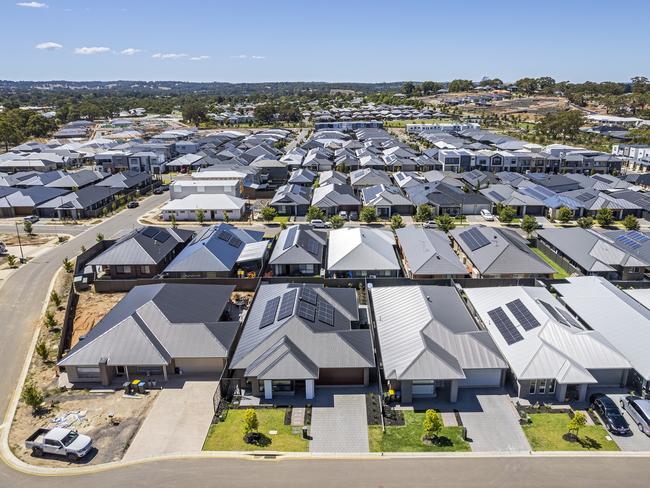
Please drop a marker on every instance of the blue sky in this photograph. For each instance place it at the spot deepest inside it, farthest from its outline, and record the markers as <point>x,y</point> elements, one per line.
<point>286,40</point>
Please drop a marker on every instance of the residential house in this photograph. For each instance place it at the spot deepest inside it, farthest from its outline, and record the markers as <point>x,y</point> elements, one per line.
<point>362,251</point>
<point>335,198</point>
<point>16,202</point>
<point>367,177</point>
<point>211,206</point>
<point>387,201</point>
<point>427,254</point>
<point>303,177</point>
<point>299,251</point>
<point>291,200</point>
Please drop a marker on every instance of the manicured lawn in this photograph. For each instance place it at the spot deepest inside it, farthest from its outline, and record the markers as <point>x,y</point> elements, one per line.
<point>407,438</point>
<point>228,436</point>
<point>281,218</point>
<point>560,273</point>
<point>547,431</point>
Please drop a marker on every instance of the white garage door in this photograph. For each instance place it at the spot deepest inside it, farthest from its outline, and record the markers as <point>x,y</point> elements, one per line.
<point>200,365</point>
<point>481,377</point>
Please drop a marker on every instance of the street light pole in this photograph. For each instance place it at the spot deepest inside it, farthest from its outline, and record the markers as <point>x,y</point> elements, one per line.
<point>20,245</point>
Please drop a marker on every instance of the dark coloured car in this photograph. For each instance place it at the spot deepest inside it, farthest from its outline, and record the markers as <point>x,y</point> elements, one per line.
<point>610,414</point>
<point>133,204</point>
<point>158,191</point>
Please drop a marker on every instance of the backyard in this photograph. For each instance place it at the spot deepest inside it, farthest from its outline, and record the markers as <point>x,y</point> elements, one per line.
<point>548,432</point>
<point>228,434</point>
<point>560,273</point>
<point>407,438</point>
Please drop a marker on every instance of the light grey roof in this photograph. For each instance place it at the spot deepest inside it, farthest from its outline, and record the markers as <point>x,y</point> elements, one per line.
<point>293,346</point>
<point>426,333</point>
<point>216,248</point>
<point>565,353</point>
<point>299,244</point>
<point>505,253</point>
<point>618,317</point>
<point>361,248</point>
<point>153,324</point>
<point>428,252</point>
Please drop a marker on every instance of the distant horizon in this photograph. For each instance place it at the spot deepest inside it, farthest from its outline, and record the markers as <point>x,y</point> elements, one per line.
<point>362,40</point>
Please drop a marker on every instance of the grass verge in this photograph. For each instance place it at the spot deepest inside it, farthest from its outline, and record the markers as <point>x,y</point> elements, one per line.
<point>560,273</point>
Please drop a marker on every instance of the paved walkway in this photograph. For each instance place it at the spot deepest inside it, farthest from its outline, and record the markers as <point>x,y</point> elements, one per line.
<point>178,420</point>
<point>340,428</point>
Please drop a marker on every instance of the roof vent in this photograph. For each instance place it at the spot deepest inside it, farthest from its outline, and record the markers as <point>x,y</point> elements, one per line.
<point>428,298</point>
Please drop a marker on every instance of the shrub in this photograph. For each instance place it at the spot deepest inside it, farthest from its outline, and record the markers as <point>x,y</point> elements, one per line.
<point>631,222</point>
<point>55,298</point>
<point>28,227</point>
<point>368,215</point>
<point>251,424</point>
<point>11,260</point>
<point>33,397</point>
<point>424,213</point>
<point>585,222</point>
<point>315,213</point>
<point>507,214</point>
<point>200,216</point>
<point>67,265</point>
<point>396,222</point>
<point>564,214</point>
<point>268,213</point>
<point>99,237</point>
<point>337,221</point>
<point>605,217</point>
<point>49,320</point>
<point>445,223</point>
<point>432,424</point>
<point>529,224</point>
<point>42,351</point>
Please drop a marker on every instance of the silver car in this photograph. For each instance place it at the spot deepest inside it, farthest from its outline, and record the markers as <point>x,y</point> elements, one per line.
<point>639,411</point>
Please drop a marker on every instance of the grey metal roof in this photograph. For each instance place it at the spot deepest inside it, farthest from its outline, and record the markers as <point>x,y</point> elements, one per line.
<point>426,333</point>
<point>618,317</point>
<point>334,195</point>
<point>428,252</point>
<point>361,248</point>
<point>299,244</point>
<point>153,324</point>
<point>216,248</point>
<point>297,345</point>
<point>505,253</point>
<point>137,248</point>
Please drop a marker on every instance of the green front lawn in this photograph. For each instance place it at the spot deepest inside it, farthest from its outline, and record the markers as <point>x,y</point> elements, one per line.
<point>548,430</point>
<point>278,219</point>
<point>228,435</point>
<point>560,273</point>
<point>407,438</point>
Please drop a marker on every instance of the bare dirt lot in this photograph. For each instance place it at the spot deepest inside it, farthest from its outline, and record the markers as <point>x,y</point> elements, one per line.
<point>91,308</point>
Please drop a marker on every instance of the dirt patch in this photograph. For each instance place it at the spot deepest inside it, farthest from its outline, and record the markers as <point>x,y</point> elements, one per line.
<point>25,240</point>
<point>91,308</point>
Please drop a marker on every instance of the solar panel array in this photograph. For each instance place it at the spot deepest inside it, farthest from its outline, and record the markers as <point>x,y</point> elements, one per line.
<point>287,304</point>
<point>474,239</point>
<point>496,196</point>
<point>161,236</point>
<point>224,235</point>
<point>601,178</point>
<point>313,247</point>
<point>523,315</point>
<point>309,295</point>
<point>150,232</point>
<point>505,326</point>
<point>235,241</point>
<point>325,312</point>
<point>584,197</point>
<point>632,239</point>
<point>291,237</point>
<point>268,316</point>
<point>307,311</point>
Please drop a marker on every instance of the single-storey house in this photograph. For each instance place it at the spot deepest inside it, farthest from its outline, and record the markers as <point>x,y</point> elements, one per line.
<point>335,198</point>
<point>291,200</point>
<point>387,201</point>
<point>299,250</point>
<point>214,207</point>
<point>362,251</point>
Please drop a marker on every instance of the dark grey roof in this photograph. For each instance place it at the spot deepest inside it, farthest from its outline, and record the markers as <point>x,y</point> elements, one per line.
<point>428,252</point>
<point>90,195</point>
<point>153,324</point>
<point>299,244</point>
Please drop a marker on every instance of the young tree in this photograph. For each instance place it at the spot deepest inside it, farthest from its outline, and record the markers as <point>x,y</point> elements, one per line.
<point>226,216</point>
<point>28,227</point>
<point>172,219</point>
<point>396,222</point>
<point>33,397</point>
<point>67,265</point>
<point>269,213</point>
<point>368,215</point>
<point>200,216</point>
<point>11,260</point>
<point>631,223</point>
<point>251,424</point>
<point>528,225</point>
<point>99,237</point>
<point>42,351</point>
<point>283,225</point>
<point>337,221</point>
<point>507,214</point>
<point>424,213</point>
<point>55,298</point>
<point>432,424</point>
<point>564,214</point>
<point>585,222</point>
<point>605,217</point>
<point>49,320</point>
<point>445,223</point>
<point>578,421</point>
<point>315,213</point>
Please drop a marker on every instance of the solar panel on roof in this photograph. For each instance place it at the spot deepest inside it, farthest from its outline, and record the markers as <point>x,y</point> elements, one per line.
<point>161,236</point>
<point>600,178</point>
<point>224,235</point>
<point>474,238</point>
<point>313,247</point>
<point>150,232</point>
<point>584,197</point>
<point>325,312</point>
<point>496,196</point>
<point>522,314</point>
<point>505,326</point>
<point>555,313</point>
<point>307,311</point>
<point>235,241</point>
<point>291,237</point>
<point>287,305</point>
<point>637,236</point>
<point>309,295</point>
<point>268,316</point>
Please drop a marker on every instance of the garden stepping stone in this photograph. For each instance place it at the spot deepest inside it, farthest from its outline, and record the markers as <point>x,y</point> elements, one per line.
<point>298,417</point>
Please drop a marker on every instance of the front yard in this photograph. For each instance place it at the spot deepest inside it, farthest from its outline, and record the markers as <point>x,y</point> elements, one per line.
<point>228,435</point>
<point>548,432</point>
<point>407,438</point>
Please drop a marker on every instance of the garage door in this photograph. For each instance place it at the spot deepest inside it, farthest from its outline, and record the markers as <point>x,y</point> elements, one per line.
<point>340,376</point>
<point>481,377</point>
<point>200,365</point>
<point>608,377</point>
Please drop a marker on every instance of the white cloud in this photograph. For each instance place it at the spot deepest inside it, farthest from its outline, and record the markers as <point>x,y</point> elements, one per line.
<point>247,56</point>
<point>130,51</point>
<point>199,58</point>
<point>91,50</point>
<point>48,46</point>
<point>169,55</point>
<point>32,4</point>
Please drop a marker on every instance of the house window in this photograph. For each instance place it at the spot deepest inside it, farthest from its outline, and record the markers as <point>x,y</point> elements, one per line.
<point>123,269</point>
<point>282,385</point>
<point>88,372</point>
<point>541,387</point>
<point>532,387</point>
<point>551,386</point>
<point>145,269</point>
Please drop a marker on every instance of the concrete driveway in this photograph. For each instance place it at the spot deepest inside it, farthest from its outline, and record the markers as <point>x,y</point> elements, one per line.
<point>178,420</point>
<point>340,426</point>
<point>638,441</point>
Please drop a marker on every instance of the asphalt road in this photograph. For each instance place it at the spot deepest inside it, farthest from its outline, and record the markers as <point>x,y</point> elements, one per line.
<point>21,301</point>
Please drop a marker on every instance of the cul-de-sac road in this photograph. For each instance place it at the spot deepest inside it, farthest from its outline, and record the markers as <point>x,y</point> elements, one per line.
<point>21,303</point>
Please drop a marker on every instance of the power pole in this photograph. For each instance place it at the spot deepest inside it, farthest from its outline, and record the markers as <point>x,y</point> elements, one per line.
<point>20,245</point>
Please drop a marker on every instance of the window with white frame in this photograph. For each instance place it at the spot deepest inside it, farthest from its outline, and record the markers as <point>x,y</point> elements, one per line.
<point>532,387</point>
<point>541,387</point>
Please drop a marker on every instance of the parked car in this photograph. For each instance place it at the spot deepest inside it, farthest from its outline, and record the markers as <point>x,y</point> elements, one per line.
<point>487,215</point>
<point>158,191</point>
<point>343,214</point>
<point>165,187</point>
<point>320,224</point>
<point>3,248</point>
<point>610,414</point>
<point>431,224</point>
<point>354,215</point>
<point>60,442</point>
<point>32,218</point>
<point>133,204</point>
<point>639,411</point>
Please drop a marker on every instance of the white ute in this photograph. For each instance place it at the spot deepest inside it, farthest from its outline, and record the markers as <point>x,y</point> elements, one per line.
<point>60,442</point>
